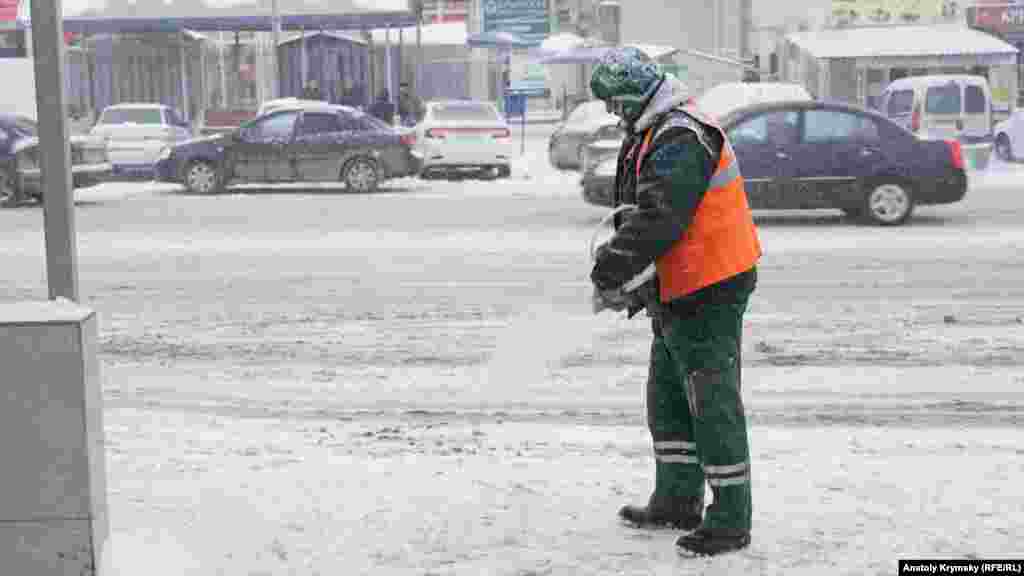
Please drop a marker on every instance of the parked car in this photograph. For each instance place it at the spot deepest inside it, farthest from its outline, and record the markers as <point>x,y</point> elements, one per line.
<point>460,137</point>
<point>1009,137</point>
<point>302,143</point>
<point>726,97</point>
<point>941,106</point>
<point>588,122</point>
<point>19,159</point>
<point>821,155</point>
<point>136,133</point>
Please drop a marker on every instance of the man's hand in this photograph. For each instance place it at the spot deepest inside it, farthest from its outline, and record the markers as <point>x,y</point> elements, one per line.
<point>615,300</point>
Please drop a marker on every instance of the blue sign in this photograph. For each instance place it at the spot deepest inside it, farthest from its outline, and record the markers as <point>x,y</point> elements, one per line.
<point>527,19</point>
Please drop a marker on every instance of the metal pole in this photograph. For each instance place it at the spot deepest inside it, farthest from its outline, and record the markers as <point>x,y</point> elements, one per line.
<point>387,64</point>
<point>223,73</point>
<point>419,53</point>
<point>522,128</point>
<point>55,153</point>
<point>275,24</point>
<point>185,107</point>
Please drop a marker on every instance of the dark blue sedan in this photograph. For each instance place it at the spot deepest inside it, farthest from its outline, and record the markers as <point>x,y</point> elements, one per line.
<point>20,175</point>
<point>300,143</point>
<point>814,155</point>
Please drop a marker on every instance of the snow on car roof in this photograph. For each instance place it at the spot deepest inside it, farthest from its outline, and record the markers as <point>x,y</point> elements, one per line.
<point>724,98</point>
<point>900,41</point>
<point>136,106</point>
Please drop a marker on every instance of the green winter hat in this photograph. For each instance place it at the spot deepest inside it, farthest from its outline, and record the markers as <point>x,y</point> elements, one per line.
<point>624,79</point>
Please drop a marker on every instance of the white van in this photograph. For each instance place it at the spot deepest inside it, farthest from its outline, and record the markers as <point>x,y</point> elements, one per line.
<point>941,106</point>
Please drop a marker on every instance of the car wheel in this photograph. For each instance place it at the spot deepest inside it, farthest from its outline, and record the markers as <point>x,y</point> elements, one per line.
<point>201,178</point>
<point>504,171</point>
<point>888,203</point>
<point>360,175</point>
<point>1003,149</point>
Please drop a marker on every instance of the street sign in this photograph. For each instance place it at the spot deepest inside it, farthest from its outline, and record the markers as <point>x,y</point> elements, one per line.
<point>525,18</point>
<point>527,92</point>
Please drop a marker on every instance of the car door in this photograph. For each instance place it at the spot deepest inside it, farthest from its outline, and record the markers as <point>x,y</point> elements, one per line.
<point>943,110</point>
<point>854,148</point>
<point>316,148</point>
<point>762,145</point>
<point>832,154</point>
<point>977,119</point>
<point>260,152</point>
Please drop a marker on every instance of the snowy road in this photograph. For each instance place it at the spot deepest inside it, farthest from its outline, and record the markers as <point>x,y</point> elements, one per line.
<point>411,382</point>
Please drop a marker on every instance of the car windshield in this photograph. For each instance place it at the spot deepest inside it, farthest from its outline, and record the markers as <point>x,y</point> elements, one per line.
<point>462,112</point>
<point>132,116</point>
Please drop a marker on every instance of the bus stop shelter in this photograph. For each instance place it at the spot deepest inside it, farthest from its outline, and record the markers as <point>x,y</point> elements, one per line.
<point>167,59</point>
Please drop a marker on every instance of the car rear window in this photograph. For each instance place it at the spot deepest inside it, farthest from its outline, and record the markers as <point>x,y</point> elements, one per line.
<point>132,115</point>
<point>900,102</point>
<point>974,98</point>
<point>465,113</point>
<point>943,99</point>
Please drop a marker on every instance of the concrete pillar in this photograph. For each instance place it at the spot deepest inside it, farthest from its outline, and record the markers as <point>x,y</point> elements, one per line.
<point>53,503</point>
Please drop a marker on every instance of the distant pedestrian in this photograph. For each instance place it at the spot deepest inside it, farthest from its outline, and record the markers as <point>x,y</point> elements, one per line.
<point>383,108</point>
<point>410,108</point>
<point>311,91</point>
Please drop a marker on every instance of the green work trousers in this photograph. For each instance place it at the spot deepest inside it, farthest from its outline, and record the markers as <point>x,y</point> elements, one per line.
<point>695,409</point>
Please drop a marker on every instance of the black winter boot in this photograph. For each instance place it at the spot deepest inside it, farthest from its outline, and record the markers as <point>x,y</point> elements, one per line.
<point>712,541</point>
<point>678,513</point>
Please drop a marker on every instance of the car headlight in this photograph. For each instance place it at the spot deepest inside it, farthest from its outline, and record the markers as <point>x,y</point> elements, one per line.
<point>165,153</point>
<point>606,167</point>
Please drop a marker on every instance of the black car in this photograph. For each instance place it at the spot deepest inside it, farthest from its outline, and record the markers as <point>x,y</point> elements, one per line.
<point>20,175</point>
<point>301,143</point>
<point>815,155</point>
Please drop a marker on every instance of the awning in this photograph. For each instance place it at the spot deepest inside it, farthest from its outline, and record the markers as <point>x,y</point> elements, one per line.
<point>939,42</point>
<point>442,34</point>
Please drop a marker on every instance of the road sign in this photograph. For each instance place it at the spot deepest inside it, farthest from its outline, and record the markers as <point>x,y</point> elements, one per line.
<point>525,18</point>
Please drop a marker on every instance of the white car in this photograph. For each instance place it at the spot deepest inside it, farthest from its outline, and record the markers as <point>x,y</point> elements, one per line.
<point>1009,137</point>
<point>460,137</point>
<point>136,135</point>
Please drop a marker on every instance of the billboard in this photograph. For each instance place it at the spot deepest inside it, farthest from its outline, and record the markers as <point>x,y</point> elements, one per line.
<point>893,12</point>
<point>1001,17</point>
<point>527,19</point>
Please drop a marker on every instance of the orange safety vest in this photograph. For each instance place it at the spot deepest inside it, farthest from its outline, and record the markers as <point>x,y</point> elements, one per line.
<point>721,241</point>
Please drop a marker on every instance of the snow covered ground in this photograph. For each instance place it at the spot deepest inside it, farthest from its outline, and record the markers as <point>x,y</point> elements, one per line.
<point>410,382</point>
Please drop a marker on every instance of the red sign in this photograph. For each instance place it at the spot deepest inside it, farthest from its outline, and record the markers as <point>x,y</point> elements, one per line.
<point>997,18</point>
<point>9,10</point>
<point>448,18</point>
